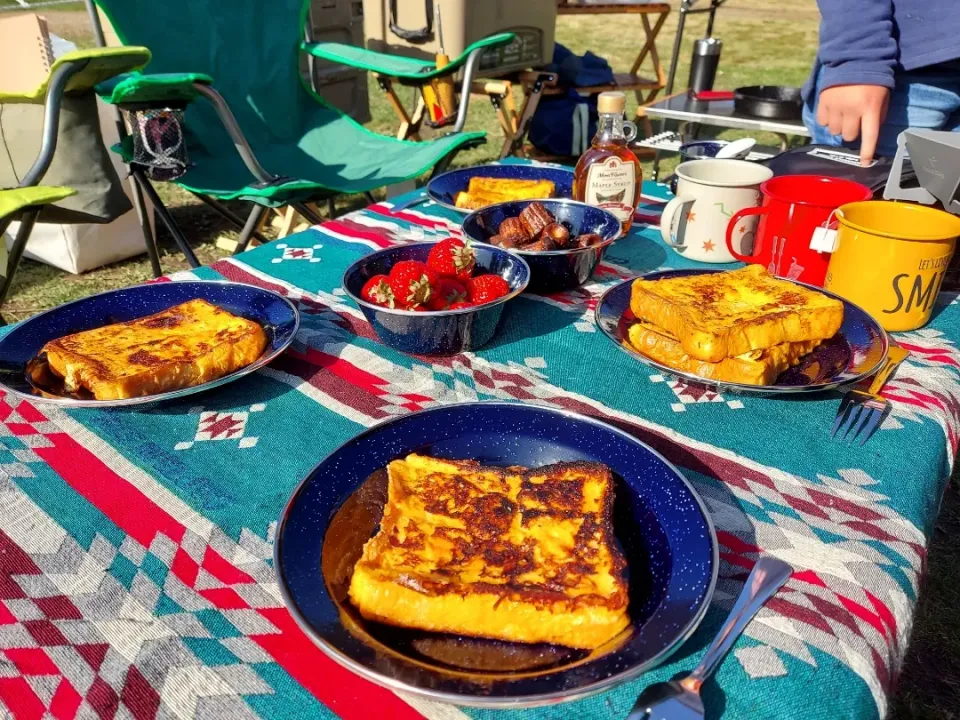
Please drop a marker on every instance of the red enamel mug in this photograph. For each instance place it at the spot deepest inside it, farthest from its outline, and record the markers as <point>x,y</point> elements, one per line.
<point>793,207</point>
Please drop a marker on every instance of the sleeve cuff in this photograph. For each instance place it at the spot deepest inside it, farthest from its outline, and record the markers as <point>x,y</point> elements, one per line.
<point>849,74</point>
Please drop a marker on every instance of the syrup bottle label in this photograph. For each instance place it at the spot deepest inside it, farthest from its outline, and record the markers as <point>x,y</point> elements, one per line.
<point>611,185</point>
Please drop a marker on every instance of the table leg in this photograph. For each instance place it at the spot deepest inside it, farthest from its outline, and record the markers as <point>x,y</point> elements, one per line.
<point>650,46</point>
<point>513,144</point>
<point>408,128</point>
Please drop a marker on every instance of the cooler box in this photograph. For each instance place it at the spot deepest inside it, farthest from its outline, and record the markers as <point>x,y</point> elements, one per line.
<point>464,22</point>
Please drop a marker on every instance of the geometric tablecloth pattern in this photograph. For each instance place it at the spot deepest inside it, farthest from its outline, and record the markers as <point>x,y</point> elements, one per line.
<point>136,577</point>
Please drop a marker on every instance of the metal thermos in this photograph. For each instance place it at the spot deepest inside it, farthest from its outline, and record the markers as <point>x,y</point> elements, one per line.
<point>703,65</point>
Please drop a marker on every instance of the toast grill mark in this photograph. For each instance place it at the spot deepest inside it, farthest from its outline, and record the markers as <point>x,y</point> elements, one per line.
<point>142,357</point>
<point>163,321</point>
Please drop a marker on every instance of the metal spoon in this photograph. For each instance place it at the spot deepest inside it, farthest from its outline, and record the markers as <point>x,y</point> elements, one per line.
<point>680,699</point>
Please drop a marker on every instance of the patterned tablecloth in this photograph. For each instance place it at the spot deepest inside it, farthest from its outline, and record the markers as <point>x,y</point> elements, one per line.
<point>136,577</point>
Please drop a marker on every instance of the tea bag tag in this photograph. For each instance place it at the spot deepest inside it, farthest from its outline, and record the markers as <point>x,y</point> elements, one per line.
<point>824,240</point>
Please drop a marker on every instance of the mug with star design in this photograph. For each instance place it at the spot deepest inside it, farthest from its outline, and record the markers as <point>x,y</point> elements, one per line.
<point>709,193</point>
<point>794,206</point>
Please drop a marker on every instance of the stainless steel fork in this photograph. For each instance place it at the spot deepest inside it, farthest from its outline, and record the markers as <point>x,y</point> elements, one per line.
<point>861,411</point>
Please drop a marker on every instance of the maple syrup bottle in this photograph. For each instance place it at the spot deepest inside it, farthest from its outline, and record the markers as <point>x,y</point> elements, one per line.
<point>608,174</point>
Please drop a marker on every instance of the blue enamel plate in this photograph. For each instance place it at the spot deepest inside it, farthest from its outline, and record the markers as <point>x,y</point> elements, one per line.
<point>854,353</point>
<point>660,523</point>
<point>443,189</point>
<point>21,346</point>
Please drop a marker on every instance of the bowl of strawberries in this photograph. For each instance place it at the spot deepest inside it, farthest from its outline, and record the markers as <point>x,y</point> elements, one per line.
<point>436,298</point>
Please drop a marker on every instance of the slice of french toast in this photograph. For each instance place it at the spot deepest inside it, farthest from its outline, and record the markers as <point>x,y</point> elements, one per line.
<point>757,367</point>
<point>186,345</point>
<point>511,554</point>
<point>726,314</point>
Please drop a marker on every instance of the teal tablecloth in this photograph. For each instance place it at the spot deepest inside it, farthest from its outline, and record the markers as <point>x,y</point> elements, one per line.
<point>135,547</point>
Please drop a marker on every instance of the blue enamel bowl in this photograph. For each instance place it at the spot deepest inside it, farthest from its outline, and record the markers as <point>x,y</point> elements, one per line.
<point>443,189</point>
<point>660,523</point>
<point>277,315</point>
<point>443,332</point>
<point>552,271</point>
<point>701,149</point>
<point>856,352</point>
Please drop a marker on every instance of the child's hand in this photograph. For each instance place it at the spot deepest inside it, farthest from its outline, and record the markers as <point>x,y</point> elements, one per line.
<point>854,111</point>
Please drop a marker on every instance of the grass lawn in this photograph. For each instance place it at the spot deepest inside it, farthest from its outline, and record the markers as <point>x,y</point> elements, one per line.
<point>765,41</point>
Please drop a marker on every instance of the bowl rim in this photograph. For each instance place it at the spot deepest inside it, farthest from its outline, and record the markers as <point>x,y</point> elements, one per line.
<point>564,251</point>
<point>430,313</point>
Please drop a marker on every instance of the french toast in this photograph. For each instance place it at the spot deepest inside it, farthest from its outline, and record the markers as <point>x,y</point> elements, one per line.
<point>757,367</point>
<point>510,554</point>
<point>723,315</point>
<point>188,344</point>
<point>509,186</point>
<point>484,191</point>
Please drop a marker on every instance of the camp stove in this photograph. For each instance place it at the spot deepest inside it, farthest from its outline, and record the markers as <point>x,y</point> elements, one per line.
<point>935,158</point>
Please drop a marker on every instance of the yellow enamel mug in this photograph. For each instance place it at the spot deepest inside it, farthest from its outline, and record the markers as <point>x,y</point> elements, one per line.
<point>890,259</point>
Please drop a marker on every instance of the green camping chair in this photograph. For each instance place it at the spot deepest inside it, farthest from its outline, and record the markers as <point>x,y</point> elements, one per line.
<point>75,72</point>
<point>264,136</point>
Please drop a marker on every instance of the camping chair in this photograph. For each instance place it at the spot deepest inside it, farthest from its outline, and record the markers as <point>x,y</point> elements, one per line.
<point>264,137</point>
<point>76,72</point>
<point>423,75</point>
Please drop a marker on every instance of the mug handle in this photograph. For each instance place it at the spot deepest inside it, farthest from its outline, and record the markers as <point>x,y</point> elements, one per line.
<point>737,217</point>
<point>666,219</point>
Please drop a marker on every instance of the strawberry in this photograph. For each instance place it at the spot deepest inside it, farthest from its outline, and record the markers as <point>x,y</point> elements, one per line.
<point>412,283</point>
<point>486,288</point>
<point>445,293</point>
<point>460,305</point>
<point>378,291</point>
<point>452,258</point>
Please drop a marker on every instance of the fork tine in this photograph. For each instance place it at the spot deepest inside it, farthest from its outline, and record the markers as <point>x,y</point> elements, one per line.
<point>852,416</point>
<point>866,415</point>
<point>876,415</point>
<point>842,413</point>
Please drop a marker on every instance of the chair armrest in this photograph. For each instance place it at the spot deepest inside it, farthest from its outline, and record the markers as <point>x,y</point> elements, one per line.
<point>362,59</point>
<point>95,66</point>
<point>16,199</point>
<point>152,88</point>
<point>395,66</point>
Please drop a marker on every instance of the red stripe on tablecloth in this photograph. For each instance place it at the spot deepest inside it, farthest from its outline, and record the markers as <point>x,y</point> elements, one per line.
<point>20,698</point>
<point>884,613</point>
<point>90,477</point>
<point>863,613</point>
<point>65,702</point>
<point>349,696</point>
<point>736,544</point>
<point>343,226</point>
<point>139,516</point>
<point>330,384</point>
<point>384,211</point>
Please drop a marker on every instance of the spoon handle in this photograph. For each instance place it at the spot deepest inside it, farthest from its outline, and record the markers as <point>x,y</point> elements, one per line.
<point>768,576</point>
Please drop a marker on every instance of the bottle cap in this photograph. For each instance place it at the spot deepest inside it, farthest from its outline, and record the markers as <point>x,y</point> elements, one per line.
<point>611,102</point>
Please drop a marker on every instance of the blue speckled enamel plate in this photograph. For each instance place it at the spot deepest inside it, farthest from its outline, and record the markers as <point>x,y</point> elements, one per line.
<point>854,353</point>
<point>443,189</point>
<point>277,315</point>
<point>659,521</point>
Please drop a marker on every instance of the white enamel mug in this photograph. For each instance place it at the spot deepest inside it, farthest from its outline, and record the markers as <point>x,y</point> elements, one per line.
<point>709,192</point>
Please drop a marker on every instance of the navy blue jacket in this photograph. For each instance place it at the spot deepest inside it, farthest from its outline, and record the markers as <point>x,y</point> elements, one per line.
<point>864,42</point>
